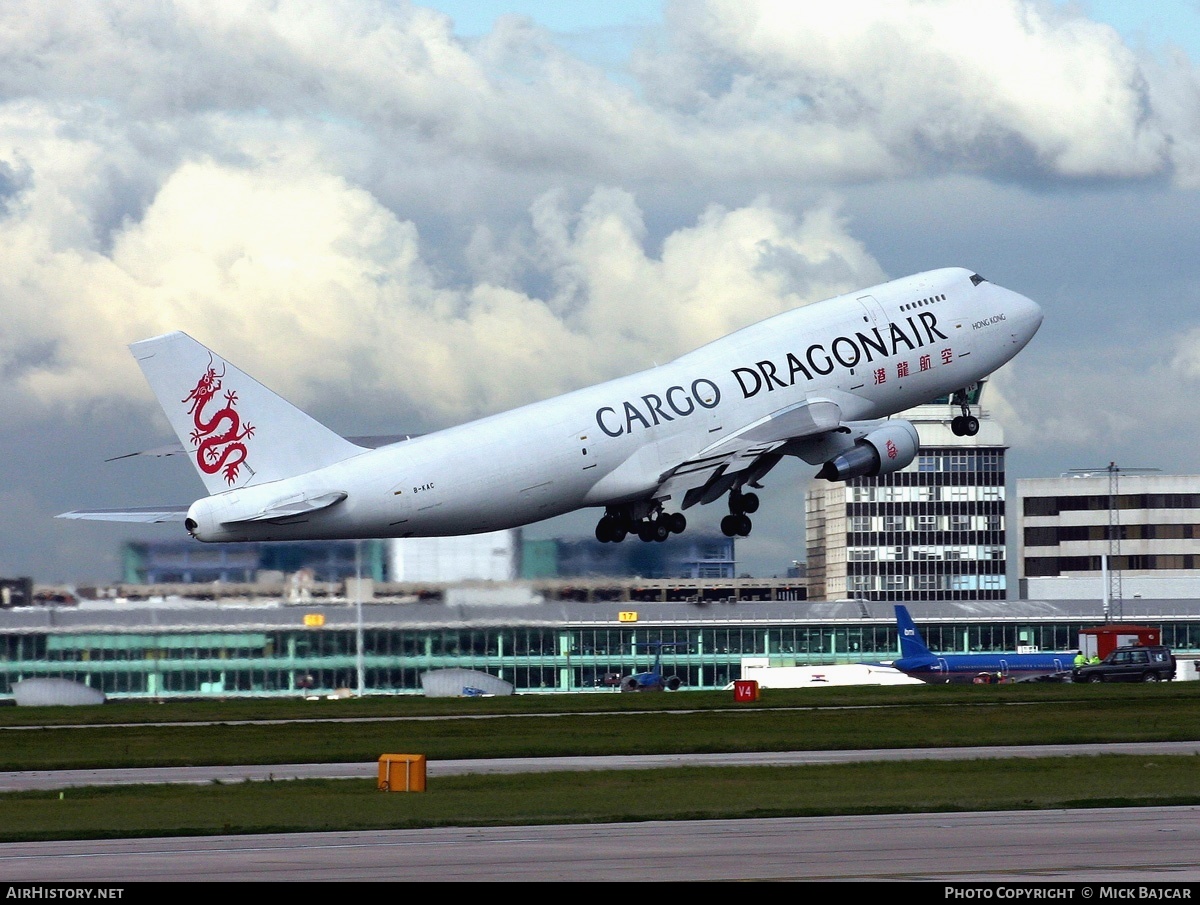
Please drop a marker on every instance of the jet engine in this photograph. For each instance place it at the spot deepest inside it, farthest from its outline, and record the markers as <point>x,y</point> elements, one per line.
<point>882,451</point>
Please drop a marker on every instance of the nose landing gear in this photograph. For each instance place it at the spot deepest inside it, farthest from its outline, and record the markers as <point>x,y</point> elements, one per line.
<point>966,424</point>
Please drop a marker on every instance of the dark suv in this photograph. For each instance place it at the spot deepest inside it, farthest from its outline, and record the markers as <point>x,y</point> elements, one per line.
<point>1140,663</point>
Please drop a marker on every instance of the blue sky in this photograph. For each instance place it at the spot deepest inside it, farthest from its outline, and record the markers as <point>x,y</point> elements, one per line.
<point>472,19</point>
<point>1153,23</point>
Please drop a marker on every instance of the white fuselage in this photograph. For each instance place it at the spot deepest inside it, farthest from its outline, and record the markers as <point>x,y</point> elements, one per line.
<point>874,353</point>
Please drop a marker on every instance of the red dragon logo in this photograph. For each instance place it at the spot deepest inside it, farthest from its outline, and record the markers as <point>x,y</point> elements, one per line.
<point>891,448</point>
<point>217,450</point>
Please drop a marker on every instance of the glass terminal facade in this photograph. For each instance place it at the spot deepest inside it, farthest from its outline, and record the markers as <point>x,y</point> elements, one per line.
<point>330,658</point>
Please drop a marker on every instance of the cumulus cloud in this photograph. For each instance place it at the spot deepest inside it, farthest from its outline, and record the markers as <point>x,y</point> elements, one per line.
<point>314,286</point>
<point>1185,362</point>
<point>1091,403</point>
<point>239,172</point>
<point>850,91</point>
<point>1001,86</point>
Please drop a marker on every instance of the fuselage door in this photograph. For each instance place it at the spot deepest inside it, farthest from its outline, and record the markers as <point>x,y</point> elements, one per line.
<point>873,311</point>
<point>400,508</point>
<point>587,450</point>
<point>884,380</point>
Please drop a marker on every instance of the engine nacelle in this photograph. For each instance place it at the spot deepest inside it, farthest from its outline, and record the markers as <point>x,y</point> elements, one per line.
<point>884,450</point>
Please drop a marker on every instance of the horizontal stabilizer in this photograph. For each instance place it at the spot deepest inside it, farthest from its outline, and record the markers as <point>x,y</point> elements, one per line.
<point>177,449</point>
<point>147,514</point>
<point>284,509</point>
<point>171,449</point>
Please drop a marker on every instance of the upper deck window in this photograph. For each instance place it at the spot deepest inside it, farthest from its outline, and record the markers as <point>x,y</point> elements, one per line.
<point>923,302</point>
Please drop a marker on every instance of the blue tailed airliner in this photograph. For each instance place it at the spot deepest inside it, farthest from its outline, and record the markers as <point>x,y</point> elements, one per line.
<point>919,662</point>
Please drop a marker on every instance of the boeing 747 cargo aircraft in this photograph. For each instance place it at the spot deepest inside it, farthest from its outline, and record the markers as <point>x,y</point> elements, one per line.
<point>818,383</point>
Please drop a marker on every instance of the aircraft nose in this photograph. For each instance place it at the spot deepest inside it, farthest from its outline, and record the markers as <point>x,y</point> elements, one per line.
<point>1033,314</point>
<point>1026,316</point>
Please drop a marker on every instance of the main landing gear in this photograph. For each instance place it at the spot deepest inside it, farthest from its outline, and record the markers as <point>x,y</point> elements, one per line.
<point>620,521</point>
<point>966,424</point>
<point>650,523</point>
<point>737,523</point>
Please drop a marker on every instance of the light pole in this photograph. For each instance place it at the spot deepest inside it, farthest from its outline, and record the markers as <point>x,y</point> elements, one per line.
<point>358,634</point>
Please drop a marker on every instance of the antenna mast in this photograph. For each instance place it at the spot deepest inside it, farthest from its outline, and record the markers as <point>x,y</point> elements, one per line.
<point>1114,530</point>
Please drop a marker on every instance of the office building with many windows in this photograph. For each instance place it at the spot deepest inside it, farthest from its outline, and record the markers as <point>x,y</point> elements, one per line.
<point>1109,534</point>
<point>933,530</point>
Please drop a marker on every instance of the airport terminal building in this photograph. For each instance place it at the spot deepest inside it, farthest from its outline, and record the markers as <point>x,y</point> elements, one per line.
<point>361,638</point>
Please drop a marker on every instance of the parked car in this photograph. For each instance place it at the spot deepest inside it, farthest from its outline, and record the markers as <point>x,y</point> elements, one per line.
<point>1139,663</point>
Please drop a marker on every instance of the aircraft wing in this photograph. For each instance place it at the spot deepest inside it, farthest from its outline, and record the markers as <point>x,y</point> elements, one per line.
<point>809,429</point>
<point>147,514</point>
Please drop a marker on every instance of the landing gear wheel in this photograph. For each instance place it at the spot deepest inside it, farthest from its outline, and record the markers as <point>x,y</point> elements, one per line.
<point>606,529</point>
<point>677,522</point>
<point>661,530</point>
<point>645,531</point>
<point>965,424</point>
<point>741,503</point>
<point>730,525</point>
<point>744,525</point>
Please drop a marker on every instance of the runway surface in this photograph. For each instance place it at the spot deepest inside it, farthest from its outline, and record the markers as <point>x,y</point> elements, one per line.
<point>1043,848</point>
<point>1128,845</point>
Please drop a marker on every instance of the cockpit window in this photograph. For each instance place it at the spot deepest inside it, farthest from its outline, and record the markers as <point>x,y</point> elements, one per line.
<point>976,279</point>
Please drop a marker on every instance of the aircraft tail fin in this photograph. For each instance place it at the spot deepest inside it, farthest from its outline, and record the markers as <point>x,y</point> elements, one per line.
<point>237,432</point>
<point>911,644</point>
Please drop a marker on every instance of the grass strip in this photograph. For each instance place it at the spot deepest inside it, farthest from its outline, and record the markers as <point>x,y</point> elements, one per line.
<point>1139,714</point>
<point>680,793</point>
